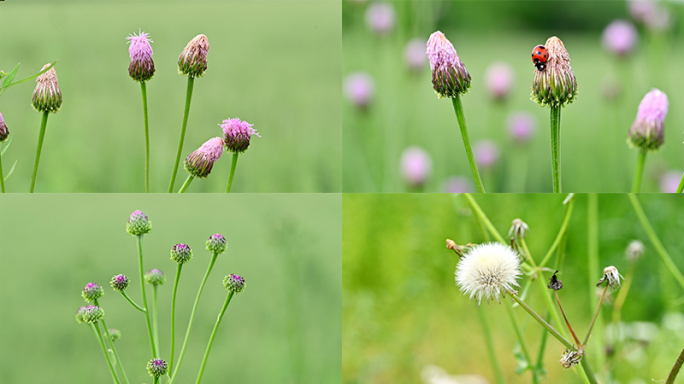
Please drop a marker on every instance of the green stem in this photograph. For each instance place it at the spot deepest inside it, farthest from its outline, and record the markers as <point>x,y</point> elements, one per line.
<point>41,136</point>
<point>556,148</point>
<point>675,369</point>
<point>458,108</point>
<point>156,380</point>
<point>173,314</point>
<point>639,171</point>
<point>483,217</point>
<point>111,342</point>
<point>561,232</point>
<point>572,331</point>
<point>2,174</point>
<point>518,333</point>
<point>96,330</point>
<point>593,320</point>
<point>139,308</point>
<point>588,371</point>
<point>490,346</point>
<point>186,184</point>
<point>192,317</point>
<point>622,295</point>
<point>188,98</point>
<point>155,322</point>
<point>143,87</point>
<point>213,335</point>
<point>144,296</point>
<point>541,321</point>
<point>592,241</point>
<point>232,172</point>
<point>542,348</point>
<point>680,187</point>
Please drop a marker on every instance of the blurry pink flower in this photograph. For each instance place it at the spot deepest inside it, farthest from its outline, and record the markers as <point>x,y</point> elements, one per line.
<point>499,80</point>
<point>359,89</point>
<point>414,54</point>
<point>670,181</point>
<point>620,37</point>
<point>416,165</point>
<point>457,184</point>
<point>522,126</point>
<point>658,19</point>
<point>381,17</point>
<point>486,153</point>
<point>640,9</point>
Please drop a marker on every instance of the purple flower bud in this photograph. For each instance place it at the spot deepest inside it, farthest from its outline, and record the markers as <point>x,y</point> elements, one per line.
<point>193,60</point>
<point>92,313</point>
<point>80,313</point>
<point>359,89</point>
<point>522,126</point>
<point>4,132</point>
<point>155,277</point>
<point>499,80</point>
<point>620,37</point>
<point>181,253</point>
<point>92,292</point>
<point>142,65</point>
<point>156,367</point>
<point>449,75</point>
<point>555,85</point>
<point>234,283</point>
<point>216,244</point>
<point>200,162</point>
<point>457,184</point>
<point>414,54</point>
<point>138,224</point>
<point>380,18</point>
<point>236,135</point>
<point>47,97</point>
<point>416,165</point>
<point>670,181</point>
<point>119,282</point>
<point>647,130</point>
<point>486,153</point>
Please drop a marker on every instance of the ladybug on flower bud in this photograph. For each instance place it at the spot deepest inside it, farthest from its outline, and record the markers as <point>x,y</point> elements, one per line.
<point>539,57</point>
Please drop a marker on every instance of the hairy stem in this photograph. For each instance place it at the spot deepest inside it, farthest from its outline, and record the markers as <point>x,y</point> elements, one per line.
<point>458,108</point>
<point>556,148</point>
<point>232,172</point>
<point>143,88</point>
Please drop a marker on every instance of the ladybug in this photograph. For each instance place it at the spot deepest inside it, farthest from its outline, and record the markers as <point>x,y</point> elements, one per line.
<point>539,57</point>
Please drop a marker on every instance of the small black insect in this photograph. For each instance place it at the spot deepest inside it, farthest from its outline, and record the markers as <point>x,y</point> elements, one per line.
<point>555,284</point>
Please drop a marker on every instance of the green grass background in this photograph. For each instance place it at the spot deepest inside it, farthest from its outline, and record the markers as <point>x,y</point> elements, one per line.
<point>405,110</point>
<point>284,328</point>
<point>274,64</point>
<point>403,312</point>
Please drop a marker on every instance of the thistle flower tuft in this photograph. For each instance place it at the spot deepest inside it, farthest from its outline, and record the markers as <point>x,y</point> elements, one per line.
<point>216,244</point>
<point>138,224</point>
<point>200,162</point>
<point>181,253</point>
<point>647,130</point>
<point>236,135</point>
<point>449,75</point>
<point>47,97</point>
<point>142,65</point>
<point>193,60</point>
<point>155,277</point>
<point>119,282</point>
<point>518,229</point>
<point>80,313</point>
<point>570,358</point>
<point>499,77</point>
<point>156,367</point>
<point>92,292</point>
<point>92,313</point>
<point>634,250</point>
<point>416,165</point>
<point>487,271</point>
<point>4,132</point>
<point>611,276</point>
<point>234,283</point>
<point>115,334</point>
<point>555,85</point>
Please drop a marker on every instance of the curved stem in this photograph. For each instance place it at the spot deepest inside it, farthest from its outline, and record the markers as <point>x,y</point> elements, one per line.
<point>139,308</point>
<point>232,172</point>
<point>541,321</point>
<point>111,342</point>
<point>143,87</point>
<point>561,232</point>
<point>96,330</point>
<point>675,369</point>
<point>639,171</point>
<point>144,296</point>
<point>458,108</point>
<point>186,184</point>
<point>593,320</point>
<point>155,321</point>
<point>490,346</point>
<point>188,98</point>
<point>483,217</point>
<point>211,338</point>
<point>2,174</point>
<point>179,268</point>
<point>556,148</point>
<point>41,136</point>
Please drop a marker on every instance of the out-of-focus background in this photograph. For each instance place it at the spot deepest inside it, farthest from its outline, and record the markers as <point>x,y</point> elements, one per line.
<point>619,51</point>
<point>274,64</point>
<point>404,320</point>
<point>284,328</point>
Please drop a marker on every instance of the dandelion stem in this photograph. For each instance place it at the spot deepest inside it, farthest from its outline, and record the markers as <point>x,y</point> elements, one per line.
<point>592,241</point>
<point>518,333</point>
<point>483,217</point>
<point>139,308</point>
<point>458,108</point>
<point>542,347</point>
<point>186,184</point>
<point>572,331</point>
<point>2,175</point>
<point>232,172</point>
<point>561,232</point>
<point>555,147</point>
<point>675,369</point>
<point>41,136</point>
<point>639,171</point>
<point>143,88</point>
<point>155,326</point>
<point>588,371</point>
<point>188,98</point>
<point>593,320</point>
<point>490,346</point>
<point>622,295</point>
<point>541,321</point>
<point>111,342</point>
<point>144,296</point>
<point>96,330</point>
<point>211,338</point>
<point>173,315</point>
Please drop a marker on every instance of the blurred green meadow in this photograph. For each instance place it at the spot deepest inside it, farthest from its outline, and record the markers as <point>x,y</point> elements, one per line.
<point>403,315</point>
<point>274,64</point>
<point>404,110</point>
<point>284,328</point>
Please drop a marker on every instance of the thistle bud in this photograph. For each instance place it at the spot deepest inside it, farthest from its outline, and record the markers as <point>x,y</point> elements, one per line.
<point>47,96</point>
<point>181,253</point>
<point>156,367</point>
<point>92,313</point>
<point>634,250</point>
<point>381,17</point>
<point>138,224</point>
<point>647,130</point>
<point>555,85</point>
<point>155,277</point>
<point>236,135</point>
<point>193,60</point>
<point>92,292</point>
<point>216,244</point>
<point>486,153</point>
<point>518,229</point>
<point>449,76</point>
<point>201,161</point>
<point>611,276</point>
<point>4,132</point>
<point>80,313</point>
<point>570,358</point>
<point>234,283</point>
<point>414,54</point>
<point>114,334</point>
<point>142,65</point>
<point>119,282</point>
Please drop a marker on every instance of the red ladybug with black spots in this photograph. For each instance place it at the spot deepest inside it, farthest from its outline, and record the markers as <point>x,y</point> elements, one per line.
<point>539,57</point>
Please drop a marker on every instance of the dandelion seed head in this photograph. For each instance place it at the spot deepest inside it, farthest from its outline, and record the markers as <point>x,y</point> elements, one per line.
<point>488,271</point>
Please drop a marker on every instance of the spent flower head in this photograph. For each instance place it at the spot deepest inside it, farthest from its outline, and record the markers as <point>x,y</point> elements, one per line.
<point>487,271</point>
<point>234,283</point>
<point>647,130</point>
<point>142,65</point>
<point>119,282</point>
<point>460,250</point>
<point>236,134</point>
<point>92,292</point>
<point>518,229</point>
<point>555,85</point>
<point>138,224</point>
<point>216,244</point>
<point>92,313</point>
<point>47,97</point>
<point>450,77</point>
<point>634,250</point>
<point>611,276</point>
<point>570,358</point>
<point>155,277</point>
<point>4,132</point>
<point>157,367</point>
<point>554,283</point>
<point>181,253</point>
<point>193,60</point>
<point>200,162</point>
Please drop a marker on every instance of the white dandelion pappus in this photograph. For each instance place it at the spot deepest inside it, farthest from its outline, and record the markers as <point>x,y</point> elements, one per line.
<point>488,269</point>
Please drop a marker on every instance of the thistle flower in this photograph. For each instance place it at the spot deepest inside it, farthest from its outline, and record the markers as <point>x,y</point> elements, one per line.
<point>518,229</point>
<point>555,85</point>
<point>142,65</point>
<point>119,282</point>
<point>359,89</point>
<point>416,165</point>
<point>4,132</point>
<point>216,244</point>
<point>47,97</point>
<point>181,253</point>
<point>611,276</point>
<point>157,367</point>
<point>486,153</point>
<point>234,283</point>
<point>193,60</point>
<point>92,313</point>
<point>114,334</point>
<point>457,184</point>
<point>380,18</point>
<point>138,224</point>
<point>201,161</point>
<point>499,77</point>
<point>92,292</point>
<point>414,54</point>
<point>647,129</point>
<point>522,126</point>
<point>487,271</point>
<point>450,77</point>
<point>634,250</point>
<point>570,358</point>
<point>620,37</point>
<point>80,313</point>
<point>155,277</point>
<point>236,135</point>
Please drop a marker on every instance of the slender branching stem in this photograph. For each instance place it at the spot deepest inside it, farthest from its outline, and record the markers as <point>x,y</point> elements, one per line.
<point>490,346</point>
<point>144,296</point>
<point>593,320</point>
<point>173,316</point>
<point>458,108</point>
<point>572,331</point>
<point>675,369</point>
<point>518,332</point>
<point>41,136</point>
<point>541,321</point>
<point>139,308</point>
<point>540,354</point>
<point>155,321</point>
<point>622,295</point>
<point>232,172</point>
<point>561,232</point>
<point>213,335</point>
<point>478,211</point>
<point>96,330</point>
<point>186,184</point>
<point>639,171</point>
<point>186,113</point>
<point>143,88</point>
<point>111,343</point>
<point>556,147</point>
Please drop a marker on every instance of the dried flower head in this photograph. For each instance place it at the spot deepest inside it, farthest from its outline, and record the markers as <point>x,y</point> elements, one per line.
<point>359,88</point>
<point>114,334</point>
<point>620,37</point>
<point>216,243</point>
<point>201,161</point>
<point>518,229</point>
<point>611,276</point>
<point>92,313</point>
<point>181,253</point>
<point>234,283</point>
<point>416,165</point>
<point>47,97</point>
<point>156,367</point>
<point>450,77</point>
<point>499,77</point>
<point>4,132</point>
<point>487,271</point>
<point>647,130</point>
<point>634,250</point>
<point>138,224</point>
<point>92,292</point>
<point>236,135</point>
<point>142,65</point>
<point>554,283</point>
<point>119,282</point>
<point>155,277</point>
<point>193,60</point>
<point>555,85</point>
<point>570,358</point>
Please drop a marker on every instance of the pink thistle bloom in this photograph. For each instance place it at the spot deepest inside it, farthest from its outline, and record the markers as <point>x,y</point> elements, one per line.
<point>359,89</point>
<point>486,153</point>
<point>670,181</point>
<point>4,132</point>
<point>640,9</point>
<point>647,129</point>
<point>416,165</point>
<point>200,162</point>
<point>620,37</point>
<point>457,184</point>
<point>142,65</point>
<point>522,126</point>
<point>414,54</point>
<point>236,134</point>
<point>449,75</point>
<point>499,80</point>
<point>380,18</point>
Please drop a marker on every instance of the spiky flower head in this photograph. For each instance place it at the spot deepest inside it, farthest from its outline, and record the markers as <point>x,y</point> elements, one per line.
<point>611,276</point>
<point>142,65</point>
<point>555,85</point>
<point>4,132</point>
<point>234,283</point>
<point>115,334</point>
<point>181,253</point>
<point>80,313</point>
<point>138,224</point>
<point>156,367</point>
<point>47,97</point>
<point>236,134</point>
<point>518,229</point>
<point>119,282</point>
<point>487,271</point>
<point>216,244</point>
<point>201,161</point>
<point>450,77</point>
<point>634,250</point>
<point>92,292</point>
<point>92,313</point>
<point>193,60</point>
<point>647,130</point>
<point>155,277</point>
<point>570,358</point>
